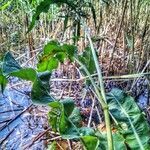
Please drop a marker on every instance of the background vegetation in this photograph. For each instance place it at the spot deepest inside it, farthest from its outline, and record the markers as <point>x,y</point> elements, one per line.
<point>104,39</point>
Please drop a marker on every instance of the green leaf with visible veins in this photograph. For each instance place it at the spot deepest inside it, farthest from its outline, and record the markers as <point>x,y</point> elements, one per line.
<point>132,123</point>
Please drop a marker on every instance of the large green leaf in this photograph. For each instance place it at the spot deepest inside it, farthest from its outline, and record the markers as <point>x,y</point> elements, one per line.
<point>133,125</point>
<point>25,74</point>
<point>62,119</point>
<point>87,60</point>
<point>70,50</point>
<point>52,64</point>
<point>68,106</point>
<point>52,47</point>
<point>45,77</point>
<point>40,93</point>
<point>58,118</point>
<point>86,131</point>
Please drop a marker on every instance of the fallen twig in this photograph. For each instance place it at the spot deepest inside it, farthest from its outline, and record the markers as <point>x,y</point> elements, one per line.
<point>37,138</point>
<point>12,120</point>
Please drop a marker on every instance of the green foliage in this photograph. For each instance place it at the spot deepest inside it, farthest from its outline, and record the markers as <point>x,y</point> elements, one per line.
<point>3,82</point>
<point>75,117</point>
<point>54,53</point>
<point>9,64</point>
<point>5,5</point>
<point>63,119</point>
<point>118,140</point>
<point>90,142</point>
<point>131,129</point>
<point>86,59</point>
<point>39,93</point>
<point>132,123</point>
<point>44,6</point>
<point>59,118</point>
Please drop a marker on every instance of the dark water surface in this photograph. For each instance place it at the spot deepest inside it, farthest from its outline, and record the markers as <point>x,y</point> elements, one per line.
<point>20,121</point>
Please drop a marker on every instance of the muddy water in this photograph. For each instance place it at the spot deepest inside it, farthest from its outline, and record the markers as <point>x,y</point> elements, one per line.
<point>21,122</point>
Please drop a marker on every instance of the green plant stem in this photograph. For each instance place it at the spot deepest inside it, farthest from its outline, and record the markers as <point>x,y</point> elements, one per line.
<point>106,112</point>
<point>99,73</point>
<point>103,104</point>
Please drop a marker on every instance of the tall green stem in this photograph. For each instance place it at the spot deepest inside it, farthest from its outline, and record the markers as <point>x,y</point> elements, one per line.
<point>104,106</point>
<point>106,112</point>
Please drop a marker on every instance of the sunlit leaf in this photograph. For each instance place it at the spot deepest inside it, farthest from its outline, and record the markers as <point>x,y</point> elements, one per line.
<point>5,5</point>
<point>3,83</point>
<point>41,67</point>
<point>54,54</point>
<point>52,64</point>
<point>52,47</point>
<point>90,142</point>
